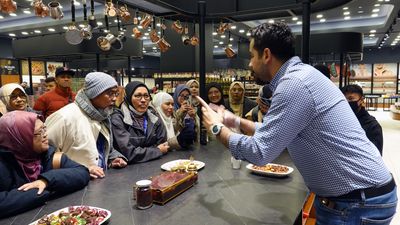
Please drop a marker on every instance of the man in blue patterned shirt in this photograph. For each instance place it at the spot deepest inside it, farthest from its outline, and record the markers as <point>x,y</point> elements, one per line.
<point>311,118</point>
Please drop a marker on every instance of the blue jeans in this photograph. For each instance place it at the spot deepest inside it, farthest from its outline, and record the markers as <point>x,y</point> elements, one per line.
<point>376,210</point>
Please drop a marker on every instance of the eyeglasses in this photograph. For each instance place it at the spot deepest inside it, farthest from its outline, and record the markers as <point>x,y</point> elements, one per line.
<point>186,97</point>
<point>41,132</point>
<point>112,94</point>
<point>139,97</point>
<point>15,96</point>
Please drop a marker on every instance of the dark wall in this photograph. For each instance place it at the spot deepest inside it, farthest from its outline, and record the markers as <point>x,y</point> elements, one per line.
<point>384,55</point>
<point>6,48</point>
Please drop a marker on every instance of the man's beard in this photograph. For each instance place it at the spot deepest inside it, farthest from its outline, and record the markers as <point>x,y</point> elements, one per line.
<point>107,111</point>
<point>258,80</point>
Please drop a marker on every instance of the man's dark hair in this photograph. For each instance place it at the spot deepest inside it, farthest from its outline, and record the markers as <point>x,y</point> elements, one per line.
<point>324,70</point>
<point>277,37</point>
<point>352,88</point>
<point>50,79</point>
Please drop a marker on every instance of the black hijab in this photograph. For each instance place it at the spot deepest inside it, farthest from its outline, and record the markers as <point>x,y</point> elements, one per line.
<point>130,89</point>
<point>217,86</point>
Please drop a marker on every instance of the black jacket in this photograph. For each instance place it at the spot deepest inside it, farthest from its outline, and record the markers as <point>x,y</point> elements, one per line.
<point>248,105</point>
<point>69,178</point>
<point>371,128</point>
<point>131,141</point>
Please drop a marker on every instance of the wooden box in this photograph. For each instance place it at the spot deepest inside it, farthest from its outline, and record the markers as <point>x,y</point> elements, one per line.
<point>168,185</point>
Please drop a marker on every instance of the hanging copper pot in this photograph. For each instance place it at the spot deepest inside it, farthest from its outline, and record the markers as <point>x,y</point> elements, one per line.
<point>137,33</point>
<point>40,9</point>
<point>110,10</point>
<point>86,32</point>
<point>8,6</point>
<point>163,45</point>
<point>229,52</point>
<point>194,40</point>
<point>55,10</point>
<point>185,39</point>
<point>222,28</point>
<point>146,21</point>
<point>105,43</point>
<point>124,13</point>
<point>154,36</point>
<point>177,26</point>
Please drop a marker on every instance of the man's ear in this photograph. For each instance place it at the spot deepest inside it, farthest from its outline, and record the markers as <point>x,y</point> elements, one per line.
<point>267,55</point>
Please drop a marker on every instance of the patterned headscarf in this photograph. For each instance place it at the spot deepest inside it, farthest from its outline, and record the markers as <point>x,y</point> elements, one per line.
<point>16,135</point>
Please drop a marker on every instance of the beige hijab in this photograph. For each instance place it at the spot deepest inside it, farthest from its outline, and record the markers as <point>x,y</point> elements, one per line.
<point>190,82</point>
<point>5,92</point>
<point>237,108</point>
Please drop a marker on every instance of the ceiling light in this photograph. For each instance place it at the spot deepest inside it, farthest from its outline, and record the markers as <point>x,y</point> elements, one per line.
<point>374,15</point>
<point>24,33</point>
<point>241,31</point>
<point>322,20</point>
<point>360,7</point>
<point>99,23</point>
<point>360,11</point>
<point>60,6</point>
<point>248,34</point>
<point>377,5</point>
<point>347,17</point>
<point>372,31</point>
<point>345,8</point>
<point>230,45</point>
<point>1,17</point>
<point>11,35</point>
<point>295,18</point>
<point>158,24</point>
<point>77,3</point>
<point>233,27</point>
<point>106,31</point>
<point>221,42</point>
<point>215,46</point>
<point>379,47</point>
<point>223,36</point>
<point>37,31</point>
<point>140,27</point>
<point>144,38</point>
<point>271,21</point>
<point>320,16</point>
<point>214,33</point>
<point>159,32</point>
<point>387,0</point>
<point>393,44</point>
<point>115,21</point>
<point>375,10</point>
<point>372,35</point>
<point>380,0</point>
<point>65,27</point>
<point>346,13</point>
<point>51,29</point>
<point>299,23</point>
<point>146,34</point>
<point>26,11</point>
<point>154,48</point>
<point>12,14</point>
<point>231,39</point>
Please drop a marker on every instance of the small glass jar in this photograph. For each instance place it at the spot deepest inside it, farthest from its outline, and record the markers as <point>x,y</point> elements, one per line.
<point>144,198</point>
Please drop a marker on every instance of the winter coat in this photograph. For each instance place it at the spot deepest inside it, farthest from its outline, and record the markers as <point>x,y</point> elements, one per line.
<point>53,100</point>
<point>248,105</point>
<point>132,141</point>
<point>68,178</point>
<point>371,128</point>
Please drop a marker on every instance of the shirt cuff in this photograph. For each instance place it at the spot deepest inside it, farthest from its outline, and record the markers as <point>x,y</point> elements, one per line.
<point>233,145</point>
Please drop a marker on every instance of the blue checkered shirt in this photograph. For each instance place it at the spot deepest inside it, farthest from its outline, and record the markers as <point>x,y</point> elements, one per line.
<point>311,118</point>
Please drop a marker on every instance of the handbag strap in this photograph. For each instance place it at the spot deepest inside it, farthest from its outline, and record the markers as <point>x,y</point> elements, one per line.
<point>57,160</point>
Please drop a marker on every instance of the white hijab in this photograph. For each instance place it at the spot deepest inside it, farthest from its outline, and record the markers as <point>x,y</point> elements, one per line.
<point>158,100</point>
<point>5,92</point>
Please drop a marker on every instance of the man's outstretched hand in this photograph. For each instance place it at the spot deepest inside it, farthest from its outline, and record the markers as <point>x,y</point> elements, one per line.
<point>210,117</point>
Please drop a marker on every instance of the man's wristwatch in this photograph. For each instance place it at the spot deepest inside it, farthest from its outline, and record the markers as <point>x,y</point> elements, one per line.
<point>216,128</point>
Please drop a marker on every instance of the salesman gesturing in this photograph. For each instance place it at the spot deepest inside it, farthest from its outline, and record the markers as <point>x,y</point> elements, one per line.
<point>311,118</point>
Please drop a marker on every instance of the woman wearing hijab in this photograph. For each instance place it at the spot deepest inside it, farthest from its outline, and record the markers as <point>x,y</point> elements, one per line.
<point>185,113</point>
<point>238,103</point>
<point>27,176</point>
<point>263,103</point>
<point>164,105</point>
<point>193,86</point>
<point>215,94</point>
<point>139,133</point>
<point>13,97</point>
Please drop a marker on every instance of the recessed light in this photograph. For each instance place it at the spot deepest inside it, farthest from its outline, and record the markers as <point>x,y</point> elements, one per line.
<point>1,17</point>
<point>393,44</point>
<point>374,15</point>
<point>295,18</point>
<point>99,23</point>
<point>372,35</point>
<point>320,16</point>
<point>360,7</point>
<point>347,17</point>
<point>215,46</point>
<point>233,27</point>
<point>27,11</point>
<point>322,20</point>
<point>380,0</point>
<point>387,0</point>
<point>158,24</point>
<point>140,27</point>
<point>24,33</point>
<point>231,39</point>
<point>159,32</point>
<point>377,5</point>
<point>271,21</point>
<point>77,3</point>
<point>115,21</point>
<point>146,34</point>
<point>241,31</point>
<point>360,11</point>
<point>214,33</point>
<point>379,47</point>
<point>11,35</point>
<point>345,8</point>
<point>106,31</point>
<point>248,34</point>
<point>372,31</point>
<point>12,14</point>
<point>81,25</point>
<point>230,45</point>
<point>221,42</point>
<point>144,51</point>
<point>346,13</point>
<point>51,29</point>
<point>154,48</point>
<point>223,36</point>
<point>37,31</point>
<point>299,23</point>
<point>375,10</point>
<point>65,27</point>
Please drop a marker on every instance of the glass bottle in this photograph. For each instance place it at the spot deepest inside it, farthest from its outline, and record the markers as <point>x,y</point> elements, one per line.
<point>144,198</point>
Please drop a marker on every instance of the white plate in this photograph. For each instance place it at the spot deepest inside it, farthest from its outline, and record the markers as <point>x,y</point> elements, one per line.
<point>268,173</point>
<point>66,210</point>
<point>167,166</point>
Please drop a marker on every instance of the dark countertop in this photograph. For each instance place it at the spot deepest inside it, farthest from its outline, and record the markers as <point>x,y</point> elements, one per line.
<point>221,196</point>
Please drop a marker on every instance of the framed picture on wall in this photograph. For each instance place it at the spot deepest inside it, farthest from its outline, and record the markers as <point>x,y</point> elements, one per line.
<point>37,68</point>
<point>362,70</point>
<point>52,66</point>
<point>385,70</point>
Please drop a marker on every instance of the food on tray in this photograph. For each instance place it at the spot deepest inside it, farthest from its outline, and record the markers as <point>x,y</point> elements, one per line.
<point>166,179</point>
<point>272,168</point>
<point>79,215</point>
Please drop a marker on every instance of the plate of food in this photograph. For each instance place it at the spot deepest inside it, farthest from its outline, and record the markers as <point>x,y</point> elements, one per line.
<point>172,165</point>
<point>79,215</point>
<point>271,169</point>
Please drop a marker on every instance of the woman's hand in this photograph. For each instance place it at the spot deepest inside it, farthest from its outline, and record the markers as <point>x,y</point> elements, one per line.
<point>96,172</point>
<point>118,163</point>
<point>191,112</point>
<point>40,184</point>
<point>163,147</point>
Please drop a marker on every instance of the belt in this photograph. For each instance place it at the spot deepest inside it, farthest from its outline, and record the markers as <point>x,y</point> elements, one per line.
<point>368,192</point>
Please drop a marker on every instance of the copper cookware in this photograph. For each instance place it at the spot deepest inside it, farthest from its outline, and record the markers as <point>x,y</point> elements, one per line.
<point>194,40</point>
<point>124,13</point>
<point>73,35</point>
<point>229,52</point>
<point>105,43</point>
<point>55,10</point>
<point>177,26</point>
<point>86,32</point>
<point>110,10</point>
<point>154,36</point>
<point>222,28</point>
<point>137,33</point>
<point>146,21</point>
<point>185,39</point>
<point>163,45</point>
<point>8,6</point>
<point>41,9</point>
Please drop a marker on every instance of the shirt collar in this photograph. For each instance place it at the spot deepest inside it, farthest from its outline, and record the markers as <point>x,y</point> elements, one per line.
<point>281,72</point>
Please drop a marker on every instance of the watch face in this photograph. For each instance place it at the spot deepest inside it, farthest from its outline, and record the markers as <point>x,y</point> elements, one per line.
<point>215,129</point>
